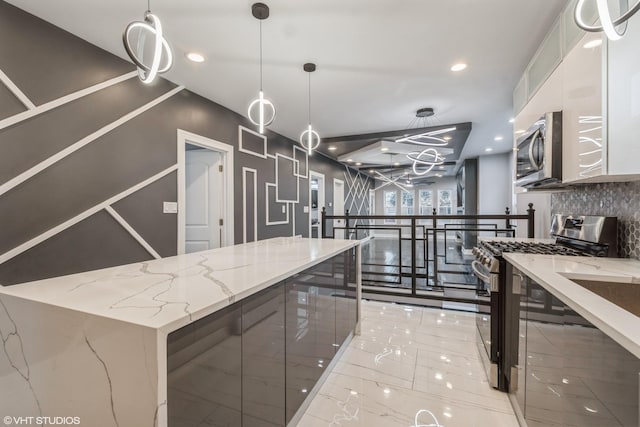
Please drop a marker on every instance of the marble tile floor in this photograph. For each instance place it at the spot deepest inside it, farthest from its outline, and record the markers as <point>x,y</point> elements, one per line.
<point>411,367</point>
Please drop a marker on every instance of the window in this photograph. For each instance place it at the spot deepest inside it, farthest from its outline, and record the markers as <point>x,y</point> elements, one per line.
<point>407,203</point>
<point>390,204</point>
<point>445,202</point>
<point>425,200</point>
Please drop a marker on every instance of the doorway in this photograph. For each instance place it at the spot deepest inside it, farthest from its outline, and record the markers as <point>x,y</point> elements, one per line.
<point>338,207</point>
<point>316,203</point>
<point>205,193</point>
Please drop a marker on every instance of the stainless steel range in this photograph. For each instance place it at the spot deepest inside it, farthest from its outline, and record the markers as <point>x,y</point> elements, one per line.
<point>574,236</point>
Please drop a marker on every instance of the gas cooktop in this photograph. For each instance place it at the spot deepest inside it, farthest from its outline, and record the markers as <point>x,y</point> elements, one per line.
<point>498,247</point>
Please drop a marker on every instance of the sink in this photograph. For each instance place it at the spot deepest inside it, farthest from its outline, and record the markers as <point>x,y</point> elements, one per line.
<point>625,295</point>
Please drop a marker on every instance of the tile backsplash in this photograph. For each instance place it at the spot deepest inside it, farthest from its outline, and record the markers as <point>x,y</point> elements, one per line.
<point>619,199</point>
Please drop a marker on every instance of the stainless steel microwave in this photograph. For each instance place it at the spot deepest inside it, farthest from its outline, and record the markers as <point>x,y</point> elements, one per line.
<point>539,153</point>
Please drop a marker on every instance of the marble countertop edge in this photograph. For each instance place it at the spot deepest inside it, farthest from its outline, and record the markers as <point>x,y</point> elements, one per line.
<point>169,293</point>
<point>185,320</point>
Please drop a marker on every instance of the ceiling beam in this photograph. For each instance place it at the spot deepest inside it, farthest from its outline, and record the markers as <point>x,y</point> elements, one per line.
<point>381,135</point>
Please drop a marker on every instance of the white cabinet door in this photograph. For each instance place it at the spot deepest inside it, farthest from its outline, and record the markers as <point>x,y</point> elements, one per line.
<point>583,144</point>
<point>624,102</point>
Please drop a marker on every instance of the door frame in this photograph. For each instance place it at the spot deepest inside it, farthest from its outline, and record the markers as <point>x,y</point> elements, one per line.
<point>226,152</point>
<point>318,175</point>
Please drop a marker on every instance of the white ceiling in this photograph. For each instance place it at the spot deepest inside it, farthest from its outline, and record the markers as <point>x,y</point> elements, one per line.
<point>378,60</point>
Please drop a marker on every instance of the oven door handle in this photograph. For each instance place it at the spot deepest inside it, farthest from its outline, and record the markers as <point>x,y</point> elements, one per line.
<point>477,272</point>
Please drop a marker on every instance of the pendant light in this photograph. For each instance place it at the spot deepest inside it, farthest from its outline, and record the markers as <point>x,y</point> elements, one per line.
<point>309,139</point>
<point>264,118</point>
<point>162,58</point>
<point>614,29</point>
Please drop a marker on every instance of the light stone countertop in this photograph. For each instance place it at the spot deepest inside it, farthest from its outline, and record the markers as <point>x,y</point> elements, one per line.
<point>554,273</point>
<point>169,293</point>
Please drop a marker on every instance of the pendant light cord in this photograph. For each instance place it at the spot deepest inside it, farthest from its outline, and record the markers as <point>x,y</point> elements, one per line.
<point>148,5</point>
<point>309,98</point>
<point>260,55</point>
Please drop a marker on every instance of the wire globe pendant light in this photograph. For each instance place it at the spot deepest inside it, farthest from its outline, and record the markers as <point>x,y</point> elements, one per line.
<point>309,139</point>
<point>162,58</point>
<point>261,111</point>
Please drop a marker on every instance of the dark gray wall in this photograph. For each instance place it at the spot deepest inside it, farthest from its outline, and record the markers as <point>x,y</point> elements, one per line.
<point>47,63</point>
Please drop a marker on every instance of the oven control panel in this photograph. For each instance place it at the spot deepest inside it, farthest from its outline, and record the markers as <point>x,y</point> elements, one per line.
<point>486,258</point>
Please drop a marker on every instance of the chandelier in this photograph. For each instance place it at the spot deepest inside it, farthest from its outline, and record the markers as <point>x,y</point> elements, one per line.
<point>614,29</point>
<point>266,111</point>
<point>424,161</point>
<point>162,58</point>
<point>309,139</point>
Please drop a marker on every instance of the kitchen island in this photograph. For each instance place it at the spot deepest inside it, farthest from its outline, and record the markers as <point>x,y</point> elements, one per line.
<point>237,336</point>
<point>575,339</point>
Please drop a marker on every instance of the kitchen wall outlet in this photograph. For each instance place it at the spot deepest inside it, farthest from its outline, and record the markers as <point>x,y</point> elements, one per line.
<point>305,209</point>
<point>330,204</point>
<point>170,207</point>
<point>284,209</point>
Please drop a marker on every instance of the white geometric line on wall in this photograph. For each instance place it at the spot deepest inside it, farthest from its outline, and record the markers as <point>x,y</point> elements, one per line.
<point>293,219</point>
<point>241,148</point>
<point>16,91</point>
<point>358,189</point>
<point>19,179</point>
<point>76,219</point>
<point>132,231</point>
<point>278,198</point>
<point>296,171</point>
<point>10,121</point>
<point>268,185</point>
<point>362,195</point>
<point>245,171</point>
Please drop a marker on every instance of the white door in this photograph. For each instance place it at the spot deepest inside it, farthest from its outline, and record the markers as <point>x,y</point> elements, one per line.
<point>338,207</point>
<point>204,200</point>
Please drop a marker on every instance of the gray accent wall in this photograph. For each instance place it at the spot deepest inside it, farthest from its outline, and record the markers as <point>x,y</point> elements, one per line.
<point>9,104</point>
<point>97,242</point>
<point>54,221</point>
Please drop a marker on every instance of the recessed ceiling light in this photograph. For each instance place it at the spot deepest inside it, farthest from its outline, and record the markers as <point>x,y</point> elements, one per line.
<point>371,171</point>
<point>441,167</point>
<point>488,149</point>
<point>349,160</point>
<point>446,138</point>
<point>518,132</point>
<point>439,175</point>
<point>358,164</point>
<point>592,43</point>
<point>332,148</point>
<point>498,138</point>
<point>396,164</point>
<point>195,57</point>
<point>458,67</point>
<point>384,149</point>
<point>512,120</point>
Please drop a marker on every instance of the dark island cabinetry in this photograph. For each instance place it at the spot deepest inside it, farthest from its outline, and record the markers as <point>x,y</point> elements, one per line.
<point>255,362</point>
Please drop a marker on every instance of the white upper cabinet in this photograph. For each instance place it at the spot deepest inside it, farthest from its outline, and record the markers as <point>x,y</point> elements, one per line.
<point>623,102</point>
<point>582,112</point>
<point>597,87</point>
